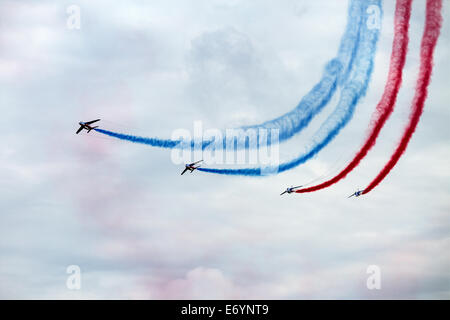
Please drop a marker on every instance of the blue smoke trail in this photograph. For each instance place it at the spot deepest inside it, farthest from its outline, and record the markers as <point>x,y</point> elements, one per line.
<point>352,92</point>
<point>161,143</point>
<point>335,74</point>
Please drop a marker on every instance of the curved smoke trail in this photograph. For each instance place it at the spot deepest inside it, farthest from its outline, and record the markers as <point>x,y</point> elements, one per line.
<point>430,37</point>
<point>387,102</point>
<point>335,74</point>
<point>354,89</point>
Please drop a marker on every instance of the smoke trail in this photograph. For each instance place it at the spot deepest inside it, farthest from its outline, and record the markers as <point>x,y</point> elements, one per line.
<point>430,37</point>
<point>387,102</point>
<point>353,91</point>
<point>335,73</point>
<point>150,141</point>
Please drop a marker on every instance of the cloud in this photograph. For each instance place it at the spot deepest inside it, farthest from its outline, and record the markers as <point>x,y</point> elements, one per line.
<point>121,212</point>
<point>199,283</point>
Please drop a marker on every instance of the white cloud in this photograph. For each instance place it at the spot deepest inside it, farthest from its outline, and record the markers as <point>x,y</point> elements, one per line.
<point>137,230</point>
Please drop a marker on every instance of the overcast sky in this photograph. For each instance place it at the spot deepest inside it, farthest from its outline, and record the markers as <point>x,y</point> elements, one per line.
<point>136,228</point>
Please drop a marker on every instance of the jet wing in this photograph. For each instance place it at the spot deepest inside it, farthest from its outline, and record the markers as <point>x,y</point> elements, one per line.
<point>79,130</point>
<point>351,196</point>
<point>91,122</point>
<point>185,169</point>
<point>283,193</point>
<point>194,163</point>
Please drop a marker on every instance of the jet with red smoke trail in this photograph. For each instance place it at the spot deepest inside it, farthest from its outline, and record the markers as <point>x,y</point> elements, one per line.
<point>387,102</point>
<point>290,190</point>
<point>433,24</point>
<point>357,193</point>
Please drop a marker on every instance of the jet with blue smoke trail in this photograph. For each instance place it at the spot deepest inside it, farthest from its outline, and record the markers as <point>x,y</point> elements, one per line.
<point>87,126</point>
<point>354,89</point>
<point>335,74</point>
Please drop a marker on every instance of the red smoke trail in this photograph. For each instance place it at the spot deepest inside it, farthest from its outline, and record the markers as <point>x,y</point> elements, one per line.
<point>433,24</point>
<point>386,105</point>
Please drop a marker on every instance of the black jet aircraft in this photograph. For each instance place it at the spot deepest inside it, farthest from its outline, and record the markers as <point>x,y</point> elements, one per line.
<point>87,126</point>
<point>290,190</point>
<point>191,166</point>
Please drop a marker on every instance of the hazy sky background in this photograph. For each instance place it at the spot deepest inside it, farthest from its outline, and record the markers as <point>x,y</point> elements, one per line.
<point>123,214</point>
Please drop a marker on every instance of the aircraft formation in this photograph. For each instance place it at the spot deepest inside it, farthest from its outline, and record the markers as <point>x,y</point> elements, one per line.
<point>350,71</point>
<point>191,167</point>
